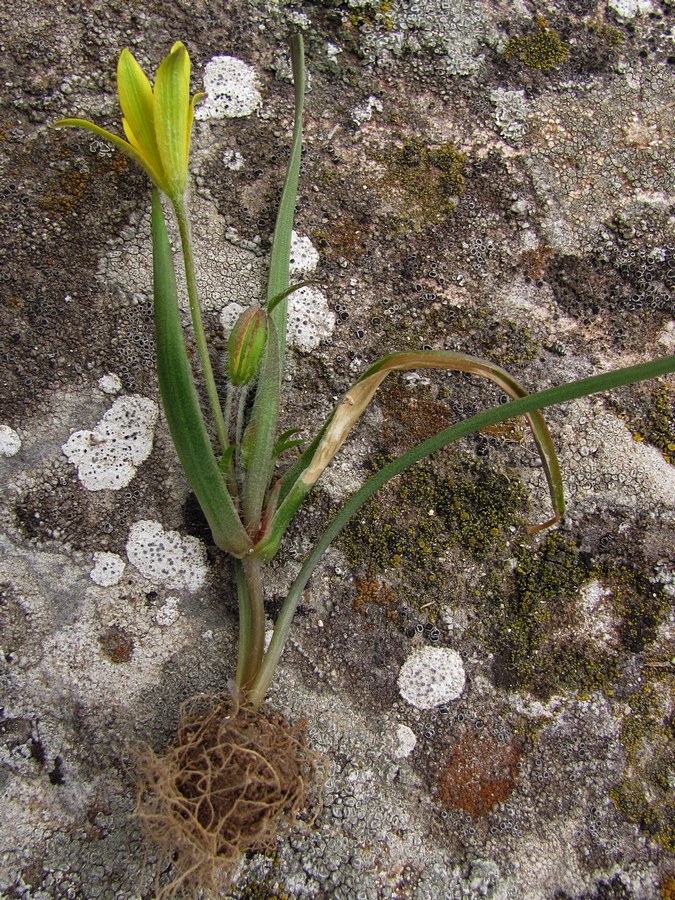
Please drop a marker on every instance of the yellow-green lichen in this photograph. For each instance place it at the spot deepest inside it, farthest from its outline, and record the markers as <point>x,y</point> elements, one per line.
<point>639,605</point>
<point>533,624</point>
<point>406,534</point>
<point>505,342</point>
<point>542,49</point>
<point>646,792</point>
<point>269,887</point>
<point>423,181</point>
<point>374,15</point>
<point>608,34</point>
<point>652,417</point>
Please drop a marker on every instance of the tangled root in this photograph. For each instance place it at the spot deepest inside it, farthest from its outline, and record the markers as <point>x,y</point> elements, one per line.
<point>233,777</point>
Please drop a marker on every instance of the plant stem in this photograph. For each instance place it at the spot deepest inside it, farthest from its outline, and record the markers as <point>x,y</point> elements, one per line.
<point>197,324</point>
<point>254,624</point>
<point>244,623</point>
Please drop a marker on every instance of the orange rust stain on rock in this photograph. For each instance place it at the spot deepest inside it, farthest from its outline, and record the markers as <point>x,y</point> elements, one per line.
<point>480,774</point>
<point>116,644</point>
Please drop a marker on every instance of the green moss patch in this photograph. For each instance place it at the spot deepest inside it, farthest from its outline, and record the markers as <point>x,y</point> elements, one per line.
<point>535,625</point>
<point>649,412</point>
<point>639,604</point>
<point>531,615</point>
<point>405,531</point>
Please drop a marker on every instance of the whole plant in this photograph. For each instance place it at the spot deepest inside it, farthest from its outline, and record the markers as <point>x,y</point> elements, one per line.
<point>238,768</point>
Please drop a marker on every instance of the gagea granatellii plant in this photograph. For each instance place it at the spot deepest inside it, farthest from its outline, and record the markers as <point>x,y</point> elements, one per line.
<point>237,768</point>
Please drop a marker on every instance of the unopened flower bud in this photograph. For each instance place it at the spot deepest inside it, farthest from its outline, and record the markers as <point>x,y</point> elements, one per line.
<point>246,345</point>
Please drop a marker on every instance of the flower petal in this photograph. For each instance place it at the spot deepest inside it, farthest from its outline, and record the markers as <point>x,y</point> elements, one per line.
<point>136,100</point>
<point>118,142</point>
<point>172,102</point>
<point>157,174</point>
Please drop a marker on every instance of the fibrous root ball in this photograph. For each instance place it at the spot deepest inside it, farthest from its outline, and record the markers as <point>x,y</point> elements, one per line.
<point>233,777</point>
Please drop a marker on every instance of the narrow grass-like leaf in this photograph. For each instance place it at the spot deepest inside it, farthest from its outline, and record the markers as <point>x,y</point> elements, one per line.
<point>266,403</point>
<point>552,397</point>
<point>284,441</point>
<point>354,403</point>
<point>275,301</point>
<point>181,404</point>
<point>277,281</point>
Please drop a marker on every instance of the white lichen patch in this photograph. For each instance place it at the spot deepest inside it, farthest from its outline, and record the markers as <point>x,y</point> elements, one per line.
<point>304,256</point>
<point>608,174</point>
<point>63,649</point>
<point>310,319</point>
<point>604,465</point>
<point>233,159</point>
<point>232,89</point>
<point>511,113</point>
<point>10,442</point>
<point>406,741</point>
<point>526,705</point>
<point>108,569</point>
<point>110,383</point>
<point>431,676</point>
<point>457,31</point>
<point>665,576</point>
<point>107,457</point>
<point>168,613</point>
<point>599,622</point>
<point>167,557</point>
<point>628,9</point>
<point>364,113</point>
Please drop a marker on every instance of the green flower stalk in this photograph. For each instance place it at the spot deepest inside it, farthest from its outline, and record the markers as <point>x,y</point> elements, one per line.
<point>158,125</point>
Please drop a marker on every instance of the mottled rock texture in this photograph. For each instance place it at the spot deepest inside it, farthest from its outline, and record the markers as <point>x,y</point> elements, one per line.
<point>495,178</point>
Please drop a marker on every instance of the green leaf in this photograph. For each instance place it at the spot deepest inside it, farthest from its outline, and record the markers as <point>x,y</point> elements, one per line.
<point>281,244</point>
<point>525,405</point>
<point>226,460</point>
<point>266,403</point>
<point>262,428</point>
<point>354,403</point>
<point>284,443</point>
<point>181,404</point>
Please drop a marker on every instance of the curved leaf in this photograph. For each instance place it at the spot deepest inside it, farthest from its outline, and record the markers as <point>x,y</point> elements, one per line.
<point>533,402</point>
<point>356,400</point>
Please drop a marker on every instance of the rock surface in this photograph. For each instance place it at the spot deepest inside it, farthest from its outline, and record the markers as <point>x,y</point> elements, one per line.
<point>476,177</point>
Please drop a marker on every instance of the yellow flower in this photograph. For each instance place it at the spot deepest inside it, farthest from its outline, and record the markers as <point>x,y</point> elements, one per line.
<point>157,123</point>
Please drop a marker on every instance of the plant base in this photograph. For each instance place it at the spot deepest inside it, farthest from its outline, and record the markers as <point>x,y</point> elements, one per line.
<point>232,779</point>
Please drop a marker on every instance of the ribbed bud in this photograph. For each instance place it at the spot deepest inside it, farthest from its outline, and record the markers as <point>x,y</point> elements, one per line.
<point>246,345</point>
